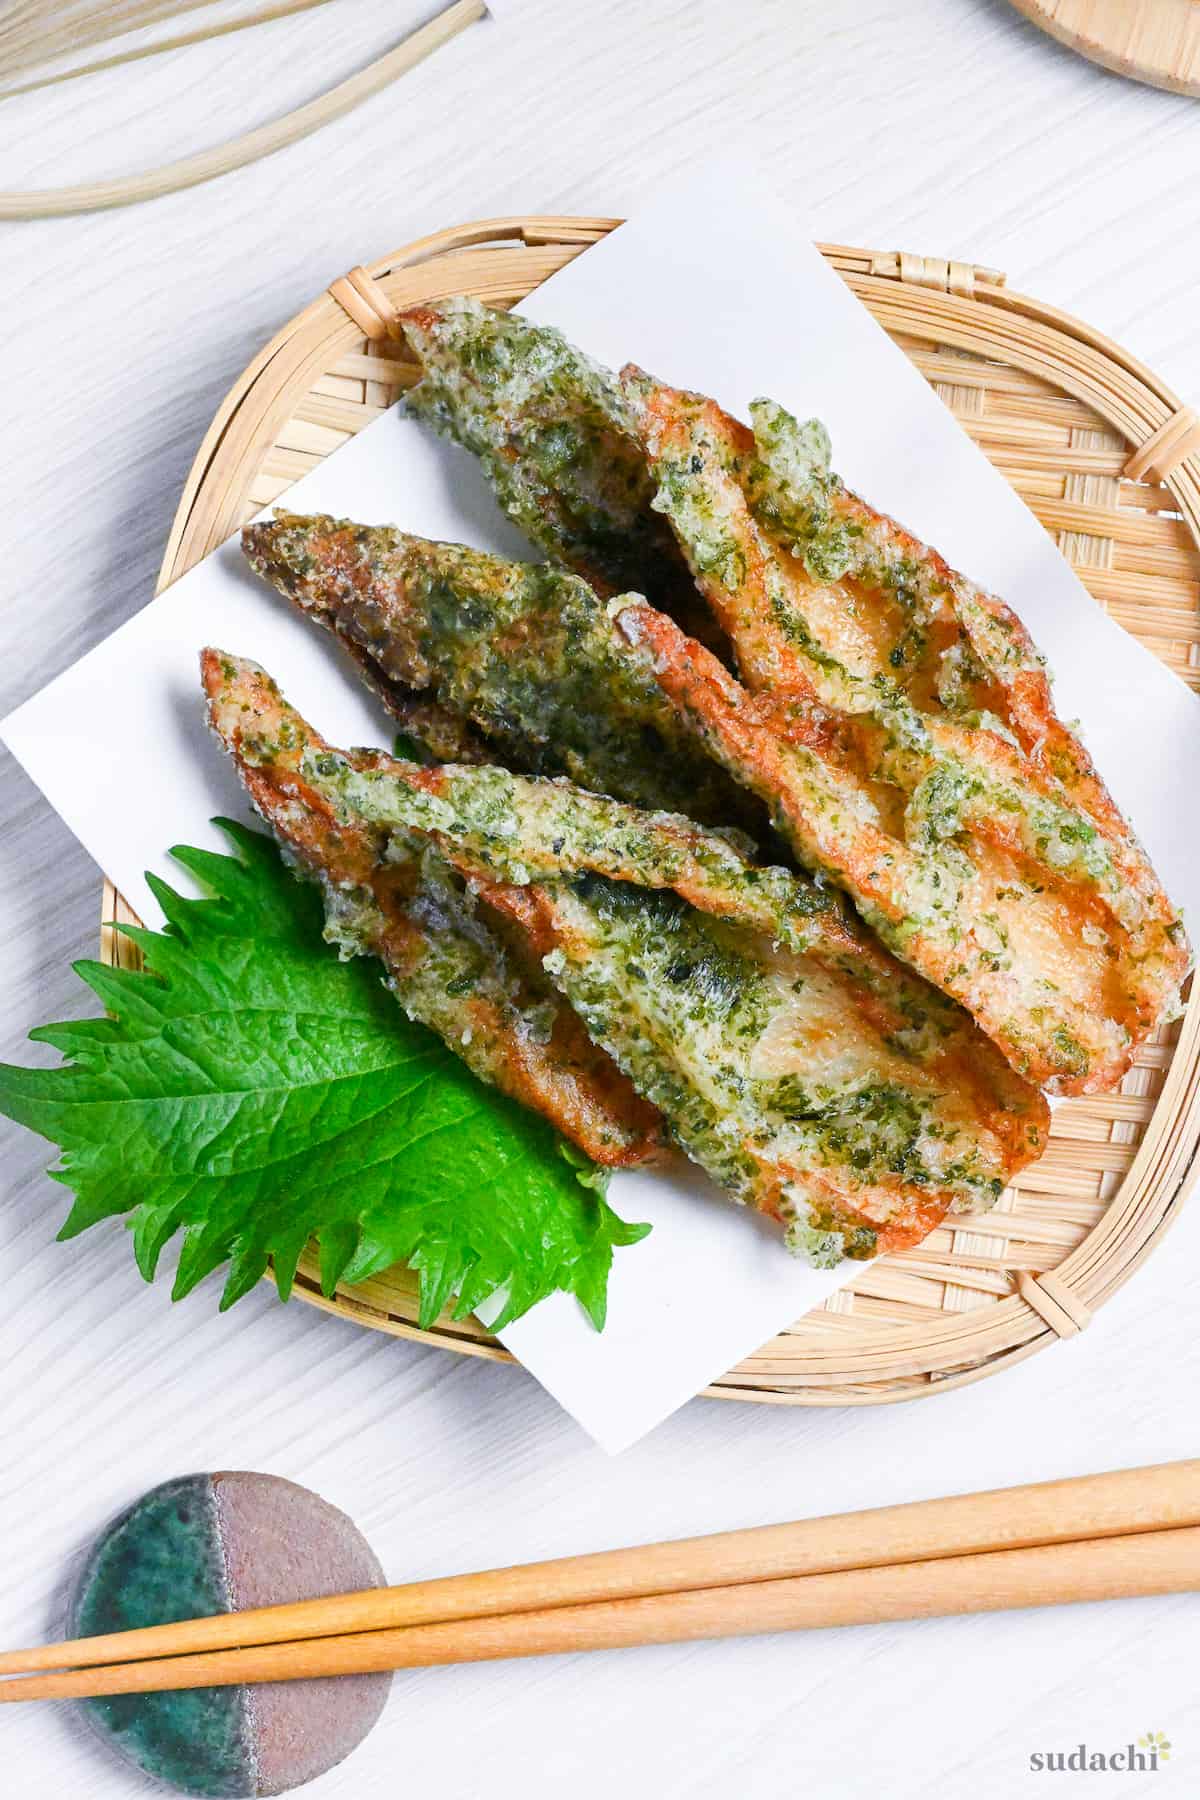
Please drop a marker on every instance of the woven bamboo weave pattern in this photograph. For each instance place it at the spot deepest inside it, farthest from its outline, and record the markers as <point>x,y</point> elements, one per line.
<point>1065,416</point>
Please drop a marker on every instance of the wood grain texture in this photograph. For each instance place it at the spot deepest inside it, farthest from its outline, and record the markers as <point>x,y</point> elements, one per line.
<point>119,335</point>
<point>1157,41</point>
<point>1119,1504</point>
<point>1083,1571</point>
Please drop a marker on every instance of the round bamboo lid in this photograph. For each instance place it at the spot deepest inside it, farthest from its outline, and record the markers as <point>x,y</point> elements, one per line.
<point>1156,41</point>
<point>1110,462</point>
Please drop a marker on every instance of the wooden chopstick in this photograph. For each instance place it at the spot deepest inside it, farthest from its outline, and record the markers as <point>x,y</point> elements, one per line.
<point>1145,1562</point>
<point>1118,1502</point>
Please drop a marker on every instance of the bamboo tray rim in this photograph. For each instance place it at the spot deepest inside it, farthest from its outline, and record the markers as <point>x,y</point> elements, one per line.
<point>1152,41</point>
<point>970,310</point>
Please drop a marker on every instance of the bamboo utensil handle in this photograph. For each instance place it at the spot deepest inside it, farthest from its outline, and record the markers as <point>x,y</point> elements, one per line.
<point>1150,1562</point>
<point>268,15</point>
<point>264,140</point>
<point>1119,1502</point>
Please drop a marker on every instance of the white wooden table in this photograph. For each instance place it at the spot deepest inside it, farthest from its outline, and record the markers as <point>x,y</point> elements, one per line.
<point>942,126</point>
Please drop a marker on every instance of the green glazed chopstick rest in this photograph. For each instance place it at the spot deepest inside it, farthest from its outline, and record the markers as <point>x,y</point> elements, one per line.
<point>205,1544</point>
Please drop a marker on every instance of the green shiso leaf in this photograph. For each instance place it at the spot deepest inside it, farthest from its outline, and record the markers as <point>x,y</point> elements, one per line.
<point>251,1092</point>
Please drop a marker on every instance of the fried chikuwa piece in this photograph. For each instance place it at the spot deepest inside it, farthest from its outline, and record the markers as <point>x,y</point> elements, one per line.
<point>451,966</point>
<point>900,727</point>
<point>553,435</point>
<point>524,653</point>
<point>811,1075</point>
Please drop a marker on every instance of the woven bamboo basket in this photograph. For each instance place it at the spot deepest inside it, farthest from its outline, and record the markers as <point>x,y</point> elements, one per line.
<point>1109,461</point>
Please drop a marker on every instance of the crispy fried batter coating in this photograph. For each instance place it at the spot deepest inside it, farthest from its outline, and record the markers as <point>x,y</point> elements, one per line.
<point>400,901</point>
<point>809,1073</point>
<point>900,726</point>
<point>523,654</point>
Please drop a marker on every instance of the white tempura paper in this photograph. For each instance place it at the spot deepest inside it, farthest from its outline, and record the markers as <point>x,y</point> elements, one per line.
<point>713,286</point>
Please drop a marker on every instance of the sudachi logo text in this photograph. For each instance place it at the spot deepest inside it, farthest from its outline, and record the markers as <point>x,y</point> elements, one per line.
<point>1150,1752</point>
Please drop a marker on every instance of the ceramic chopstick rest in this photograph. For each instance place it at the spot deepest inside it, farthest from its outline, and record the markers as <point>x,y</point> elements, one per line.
<point>205,1544</point>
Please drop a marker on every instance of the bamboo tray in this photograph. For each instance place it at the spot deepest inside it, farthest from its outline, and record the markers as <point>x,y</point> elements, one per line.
<point>1110,462</point>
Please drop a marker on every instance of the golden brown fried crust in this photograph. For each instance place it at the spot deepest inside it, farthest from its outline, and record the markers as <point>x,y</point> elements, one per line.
<point>1028,702</point>
<point>1024,696</point>
<point>592,518</point>
<point>745,730</point>
<point>523,651</point>
<point>669,420</point>
<point>1114,942</point>
<point>896,1212</point>
<point>568,1080</point>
